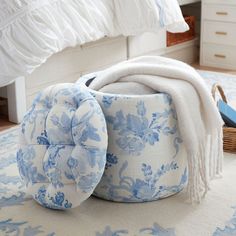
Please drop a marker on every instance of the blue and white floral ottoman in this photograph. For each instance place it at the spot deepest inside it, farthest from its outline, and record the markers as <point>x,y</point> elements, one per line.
<point>146,159</point>
<point>76,142</point>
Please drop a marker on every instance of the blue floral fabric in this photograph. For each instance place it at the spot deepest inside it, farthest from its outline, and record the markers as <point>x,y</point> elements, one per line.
<point>20,215</point>
<point>63,144</point>
<point>146,158</point>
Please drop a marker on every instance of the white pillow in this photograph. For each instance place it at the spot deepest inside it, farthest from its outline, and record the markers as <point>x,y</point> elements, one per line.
<point>138,16</point>
<point>170,16</point>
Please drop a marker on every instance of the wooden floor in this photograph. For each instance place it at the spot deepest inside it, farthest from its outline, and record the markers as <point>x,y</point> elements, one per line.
<point>5,124</point>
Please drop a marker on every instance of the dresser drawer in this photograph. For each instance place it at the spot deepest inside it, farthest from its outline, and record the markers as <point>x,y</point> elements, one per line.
<point>225,2</point>
<point>219,32</point>
<point>219,12</point>
<point>221,56</point>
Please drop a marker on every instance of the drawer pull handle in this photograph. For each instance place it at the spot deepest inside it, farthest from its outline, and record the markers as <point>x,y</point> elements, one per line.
<point>222,13</point>
<point>221,33</point>
<point>220,56</point>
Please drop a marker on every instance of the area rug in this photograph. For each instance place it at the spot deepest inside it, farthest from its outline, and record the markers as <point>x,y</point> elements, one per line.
<point>174,216</point>
<point>226,81</point>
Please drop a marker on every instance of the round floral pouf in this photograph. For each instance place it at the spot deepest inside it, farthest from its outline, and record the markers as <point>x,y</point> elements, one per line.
<point>63,145</point>
<point>146,159</point>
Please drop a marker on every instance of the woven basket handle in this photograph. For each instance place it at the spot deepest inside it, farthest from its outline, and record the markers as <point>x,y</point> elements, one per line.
<point>214,89</point>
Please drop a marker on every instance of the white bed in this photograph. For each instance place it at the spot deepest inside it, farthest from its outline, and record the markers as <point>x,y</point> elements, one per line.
<point>31,31</point>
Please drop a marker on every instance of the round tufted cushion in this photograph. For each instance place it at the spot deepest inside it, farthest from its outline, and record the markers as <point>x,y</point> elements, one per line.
<point>63,142</point>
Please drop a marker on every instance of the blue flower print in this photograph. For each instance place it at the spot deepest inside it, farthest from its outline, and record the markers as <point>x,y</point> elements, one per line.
<point>157,230</point>
<point>230,228</point>
<point>132,145</point>
<point>57,201</point>
<point>43,139</point>
<point>63,123</point>
<point>167,99</point>
<point>59,198</point>
<point>141,189</point>
<point>135,131</point>
<point>41,195</point>
<point>26,166</point>
<point>33,114</point>
<point>72,162</point>
<point>84,130</point>
<point>5,162</point>
<point>109,232</point>
<point>141,110</point>
<point>50,165</point>
<point>88,183</point>
<point>9,227</point>
<point>13,200</point>
<point>107,101</point>
<point>111,160</point>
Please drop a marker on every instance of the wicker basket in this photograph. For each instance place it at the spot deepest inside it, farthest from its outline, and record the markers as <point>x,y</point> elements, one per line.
<point>229,133</point>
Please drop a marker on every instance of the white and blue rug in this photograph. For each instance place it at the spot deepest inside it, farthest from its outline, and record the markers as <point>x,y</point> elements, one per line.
<point>227,82</point>
<point>215,216</point>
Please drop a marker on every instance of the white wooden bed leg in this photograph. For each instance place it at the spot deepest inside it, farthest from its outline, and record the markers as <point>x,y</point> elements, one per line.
<point>16,100</point>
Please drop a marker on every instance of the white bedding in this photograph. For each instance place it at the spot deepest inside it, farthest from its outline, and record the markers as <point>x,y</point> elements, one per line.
<point>32,30</point>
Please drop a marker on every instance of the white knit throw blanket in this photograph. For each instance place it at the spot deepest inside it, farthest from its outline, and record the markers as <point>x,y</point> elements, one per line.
<point>200,124</point>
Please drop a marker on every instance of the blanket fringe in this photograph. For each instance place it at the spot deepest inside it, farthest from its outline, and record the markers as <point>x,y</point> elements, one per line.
<point>201,170</point>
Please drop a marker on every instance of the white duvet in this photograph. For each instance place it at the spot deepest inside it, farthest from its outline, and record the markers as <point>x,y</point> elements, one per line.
<point>32,30</point>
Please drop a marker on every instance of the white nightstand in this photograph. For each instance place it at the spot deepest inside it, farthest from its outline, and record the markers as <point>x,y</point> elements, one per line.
<point>218,34</point>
